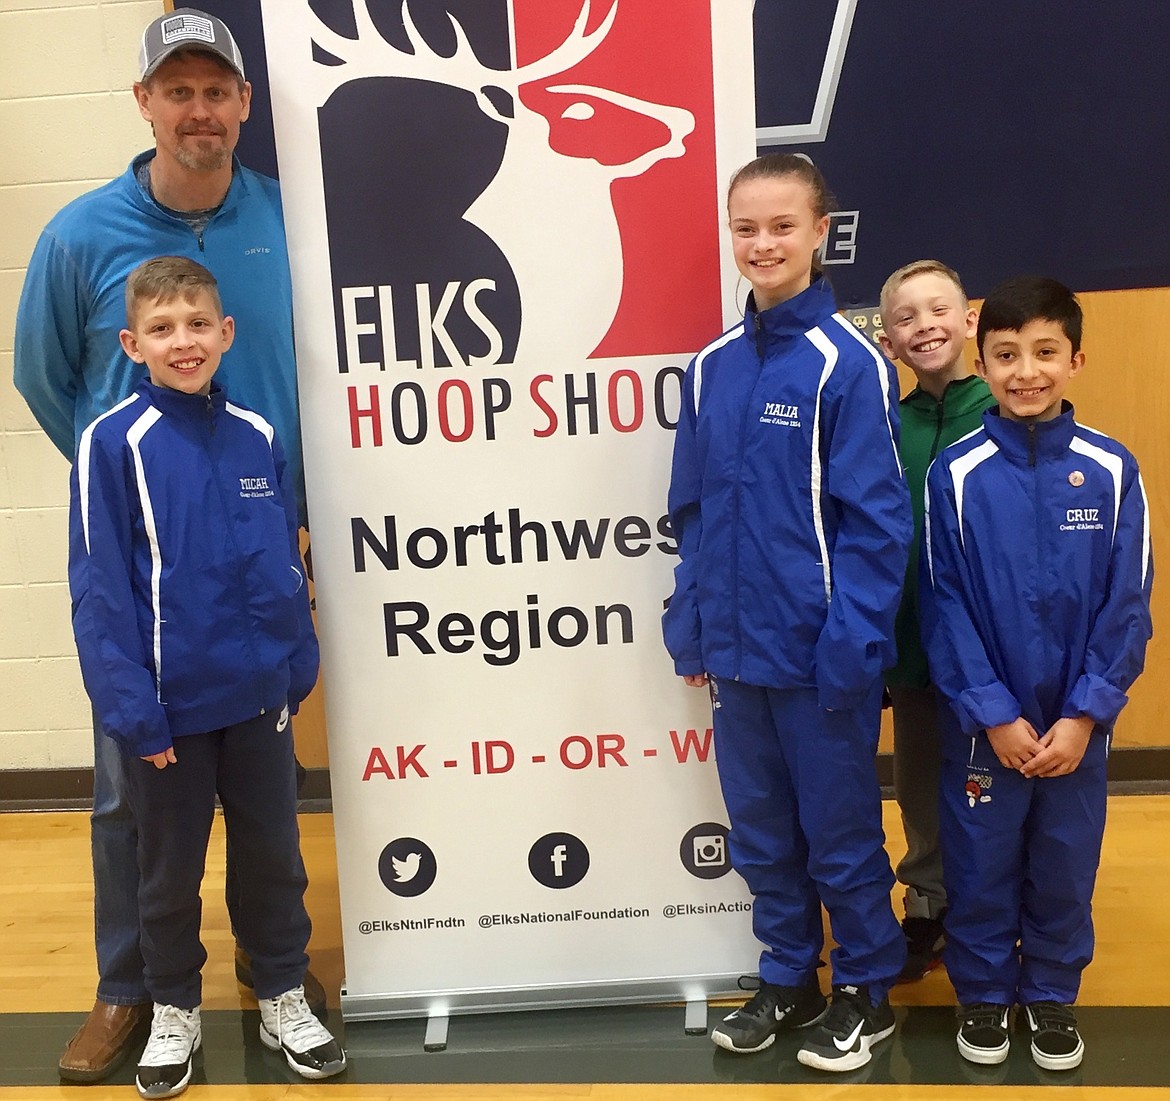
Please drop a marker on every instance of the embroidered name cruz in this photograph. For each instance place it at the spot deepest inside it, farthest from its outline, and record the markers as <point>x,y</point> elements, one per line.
<point>775,412</point>
<point>1082,519</point>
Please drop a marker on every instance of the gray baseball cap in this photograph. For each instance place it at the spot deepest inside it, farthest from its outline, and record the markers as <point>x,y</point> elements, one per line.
<point>186,29</point>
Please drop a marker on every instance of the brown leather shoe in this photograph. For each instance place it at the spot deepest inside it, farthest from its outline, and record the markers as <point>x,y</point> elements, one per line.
<point>110,1033</point>
<point>314,991</point>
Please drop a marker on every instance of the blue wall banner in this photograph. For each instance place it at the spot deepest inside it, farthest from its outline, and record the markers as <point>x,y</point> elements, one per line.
<point>1002,138</point>
<point>1005,139</point>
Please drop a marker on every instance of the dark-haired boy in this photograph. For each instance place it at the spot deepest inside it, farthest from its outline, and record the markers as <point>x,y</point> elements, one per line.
<point>191,615</point>
<point>1036,575</point>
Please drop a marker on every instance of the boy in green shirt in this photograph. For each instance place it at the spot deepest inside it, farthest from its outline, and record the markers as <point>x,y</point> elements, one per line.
<point>926,320</point>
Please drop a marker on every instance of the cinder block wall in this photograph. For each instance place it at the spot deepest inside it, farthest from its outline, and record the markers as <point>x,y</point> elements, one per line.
<point>67,123</point>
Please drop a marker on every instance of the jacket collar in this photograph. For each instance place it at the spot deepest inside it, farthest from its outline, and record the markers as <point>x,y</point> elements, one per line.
<point>960,395</point>
<point>789,319</point>
<point>175,403</point>
<point>1025,441</point>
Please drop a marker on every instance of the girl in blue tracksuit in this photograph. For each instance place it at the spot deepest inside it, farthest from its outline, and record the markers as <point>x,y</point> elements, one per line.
<point>793,521</point>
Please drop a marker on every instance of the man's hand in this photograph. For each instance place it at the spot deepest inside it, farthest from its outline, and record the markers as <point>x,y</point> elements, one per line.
<point>1015,743</point>
<point>1062,748</point>
<point>161,760</point>
<point>695,680</point>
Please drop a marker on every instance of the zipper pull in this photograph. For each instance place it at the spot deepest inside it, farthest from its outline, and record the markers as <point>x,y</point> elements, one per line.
<point>210,415</point>
<point>1031,445</point>
<point>939,421</point>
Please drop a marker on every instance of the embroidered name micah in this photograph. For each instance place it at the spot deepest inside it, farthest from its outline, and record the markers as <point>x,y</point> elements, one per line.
<point>253,483</point>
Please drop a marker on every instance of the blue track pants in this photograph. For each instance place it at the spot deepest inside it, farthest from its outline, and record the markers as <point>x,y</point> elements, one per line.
<point>1020,861</point>
<point>250,766</point>
<point>802,795</point>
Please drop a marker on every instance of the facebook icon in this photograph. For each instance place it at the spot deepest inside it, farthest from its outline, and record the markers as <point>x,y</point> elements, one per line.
<point>558,860</point>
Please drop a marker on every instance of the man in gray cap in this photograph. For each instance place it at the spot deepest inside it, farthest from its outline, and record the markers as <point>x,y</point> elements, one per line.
<point>188,196</point>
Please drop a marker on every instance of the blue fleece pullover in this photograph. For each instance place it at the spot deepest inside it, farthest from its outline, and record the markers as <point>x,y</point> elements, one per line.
<point>190,607</point>
<point>1036,574</point>
<point>789,505</point>
<point>69,364</point>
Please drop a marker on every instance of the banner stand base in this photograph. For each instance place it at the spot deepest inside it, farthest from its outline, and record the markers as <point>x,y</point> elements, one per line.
<point>435,1038</point>
<point>691,991</point>
<point>695,1021</point>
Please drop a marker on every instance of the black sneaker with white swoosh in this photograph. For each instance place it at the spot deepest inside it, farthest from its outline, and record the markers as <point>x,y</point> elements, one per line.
<point>842,1041</point>
<point>770,1010</point>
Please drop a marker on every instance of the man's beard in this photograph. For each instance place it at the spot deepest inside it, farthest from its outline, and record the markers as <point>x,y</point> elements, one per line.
<point>202,157</point>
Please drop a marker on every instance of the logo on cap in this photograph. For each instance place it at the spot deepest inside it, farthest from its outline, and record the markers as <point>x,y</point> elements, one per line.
<point>182,27</point>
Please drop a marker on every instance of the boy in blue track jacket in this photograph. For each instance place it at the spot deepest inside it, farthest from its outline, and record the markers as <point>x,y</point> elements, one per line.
<point>1036,575</point>
<point>191,615</point>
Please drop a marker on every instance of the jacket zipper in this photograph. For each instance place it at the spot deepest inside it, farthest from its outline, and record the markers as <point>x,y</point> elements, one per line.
<point>1042,596</point>
<point>231,533</point>
<point>743,430</point>
<point>939,426</point>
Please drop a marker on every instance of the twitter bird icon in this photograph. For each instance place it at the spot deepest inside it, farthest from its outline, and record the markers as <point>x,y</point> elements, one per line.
<point>405,870</point>
<point>407,867</point>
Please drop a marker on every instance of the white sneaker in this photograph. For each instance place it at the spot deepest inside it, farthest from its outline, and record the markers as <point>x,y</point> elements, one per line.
<point>287,1024</point>
<point>165,1067</point>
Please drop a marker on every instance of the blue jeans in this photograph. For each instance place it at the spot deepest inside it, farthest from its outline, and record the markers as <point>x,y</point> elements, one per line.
<point>114,841</point>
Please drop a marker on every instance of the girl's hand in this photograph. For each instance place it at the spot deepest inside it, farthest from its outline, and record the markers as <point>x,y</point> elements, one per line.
<point>1015,743</point>
<point>161,760</point>
<point>695,680</point>
<point>1062,748</point>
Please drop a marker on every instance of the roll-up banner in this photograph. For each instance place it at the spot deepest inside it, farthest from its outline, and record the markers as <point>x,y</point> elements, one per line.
<point>506,227</point>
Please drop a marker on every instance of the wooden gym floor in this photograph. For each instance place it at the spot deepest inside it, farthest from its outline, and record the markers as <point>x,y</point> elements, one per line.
<point>627,1054</point>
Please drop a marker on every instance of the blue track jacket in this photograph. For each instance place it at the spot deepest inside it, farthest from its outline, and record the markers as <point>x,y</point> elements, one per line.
<point>69,364</point>
<point>789,505</point>
<point>190,606</point>
<point>1036,575</point>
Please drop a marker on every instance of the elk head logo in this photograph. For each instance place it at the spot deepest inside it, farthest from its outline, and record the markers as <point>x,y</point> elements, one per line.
<point>476,197</point>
